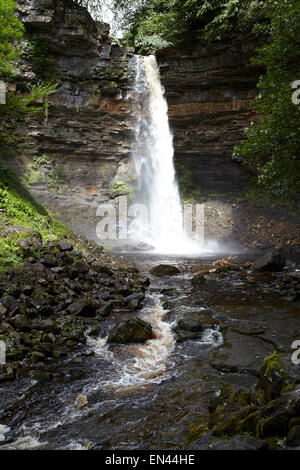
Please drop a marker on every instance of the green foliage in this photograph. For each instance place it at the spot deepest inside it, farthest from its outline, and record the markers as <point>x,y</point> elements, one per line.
<point>189,189</point>
<point>45,170</point>
<point>18,207</point>
<point>11,32</point>
<point>273,145</point>
<point>214,19</point>
<point>41,160</point>
<point>12,114</point>
<point>37,51</point>
<point>120,188</point>
<point>154,24</point>
<point>56,177</point>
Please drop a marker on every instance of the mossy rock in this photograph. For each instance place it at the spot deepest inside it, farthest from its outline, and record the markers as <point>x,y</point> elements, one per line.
<point>197,429</point>
<point>273,377</point>
<point>276,425</point>
<point>231,425</point>
<point>18,232</point>
<point>250,424</point>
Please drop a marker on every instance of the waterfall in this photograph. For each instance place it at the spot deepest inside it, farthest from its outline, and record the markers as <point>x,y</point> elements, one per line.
<point>160,220</point>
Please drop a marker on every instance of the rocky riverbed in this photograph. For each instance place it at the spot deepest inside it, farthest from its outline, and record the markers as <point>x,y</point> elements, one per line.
<point>136,351</point>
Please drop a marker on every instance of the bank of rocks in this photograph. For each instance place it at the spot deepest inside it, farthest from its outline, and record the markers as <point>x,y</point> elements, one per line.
<point>58,296</point>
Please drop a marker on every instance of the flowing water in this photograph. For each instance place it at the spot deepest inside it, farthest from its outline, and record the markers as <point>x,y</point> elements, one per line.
<point>144,396</point>
<point>140,365</point>
<point>113,398</point>
<point>160,220</point>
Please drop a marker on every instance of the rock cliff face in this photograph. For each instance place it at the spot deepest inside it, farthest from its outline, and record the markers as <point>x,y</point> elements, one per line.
<point>210,89</point>
<point>84,145</point>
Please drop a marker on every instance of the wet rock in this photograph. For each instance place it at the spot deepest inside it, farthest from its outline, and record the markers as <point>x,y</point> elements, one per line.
<point>293,439</point>
<point>169,291</point>
<point>80,267</point>
<point>240,442</point>
<point>48,326</point>
<point>65,246</point>
<point>27,290</point>
<point>82,308</point>
<point>106,309</point>
<point>42,377</point>
<point>272,261</point>
<point>21,323</point>
<point>19,231</point>
<point>102,269</point>
<point>37,356</point>
<point>272,377</point>
<point>190,322</point>
<point>130,331</point>
<point>81,402</point>
<point>203,443</point>
<point>26,244</point>
<point>134,301</point>
<point>241,353</point>
<point>11,304</point>
<point>198,280</point>
<point>164,270</point>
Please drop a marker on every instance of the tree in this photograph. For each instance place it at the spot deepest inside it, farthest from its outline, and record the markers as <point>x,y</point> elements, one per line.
<point>272,147</point>
<point>179,22</point>
<point>11,32</point>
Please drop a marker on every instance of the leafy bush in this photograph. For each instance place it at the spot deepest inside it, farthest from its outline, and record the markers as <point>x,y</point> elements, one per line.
<point>273,144</point>
<point>11,31</point>
<point>158,23</point>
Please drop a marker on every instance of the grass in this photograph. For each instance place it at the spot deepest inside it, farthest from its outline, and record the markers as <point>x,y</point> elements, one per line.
<point>18,207</point>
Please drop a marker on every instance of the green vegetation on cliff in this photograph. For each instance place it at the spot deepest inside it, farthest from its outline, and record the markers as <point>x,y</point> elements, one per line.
<point>19,208</point>
<point>36,100</point>
<point>273,145</point>
<point>11,31</point>
<point>153,24</point>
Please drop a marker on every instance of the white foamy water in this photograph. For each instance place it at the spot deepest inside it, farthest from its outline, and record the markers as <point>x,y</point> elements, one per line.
<point>3,430</point>
<point>161,225</point>
<point>24,443</point>
<point>143,364</point>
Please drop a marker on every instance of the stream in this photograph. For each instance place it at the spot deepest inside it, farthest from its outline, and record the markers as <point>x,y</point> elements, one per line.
<point>144,396</point>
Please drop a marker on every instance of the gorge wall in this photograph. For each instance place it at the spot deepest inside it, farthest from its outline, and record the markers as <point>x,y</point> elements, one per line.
<point>210,89</point>
<point>74,157</point>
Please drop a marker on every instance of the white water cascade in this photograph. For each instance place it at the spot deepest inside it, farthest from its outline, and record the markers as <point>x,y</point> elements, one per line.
<point>159,222</point>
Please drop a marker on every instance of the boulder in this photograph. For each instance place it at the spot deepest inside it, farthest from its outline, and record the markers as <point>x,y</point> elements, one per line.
<point>65,246</point>
<point>164,270</point>
<point>272,261</point>
<point>19,231</point>
<point>134,301</point>
<point>11,304</point>
<point>82,308</point>
<point>21,323</point>
<point>190,322</point>
<point>133,330</point>
<point>240,442</point>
